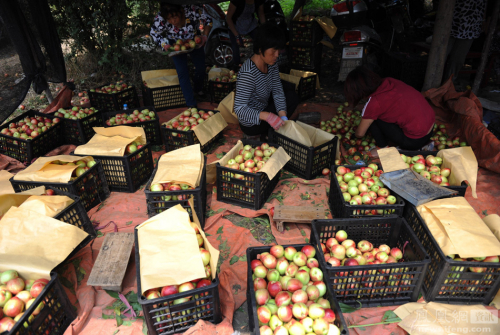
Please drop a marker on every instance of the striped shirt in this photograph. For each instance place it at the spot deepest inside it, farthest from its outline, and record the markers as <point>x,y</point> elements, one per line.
<point>253,89</point>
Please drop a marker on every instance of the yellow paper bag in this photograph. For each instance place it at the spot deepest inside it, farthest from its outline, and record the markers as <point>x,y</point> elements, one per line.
<point>5,185</point>
<point>493,223</point>
<point>42,170</point>
<point>47,205</point>
<point>463,165</point>
<point>295,132</point>
<point>111,141</point>
<point>168,249</point>
<point>160,78</point>
<point>458,229</point>
<point>391,160</point>
<point>183,166</point>
<point>319,137</point>
<point>34,244</point>
<point>226,108</point>
<point>328,26</point>
<point>9,200</point>
<point>304,74</point>
<point>210,128</point>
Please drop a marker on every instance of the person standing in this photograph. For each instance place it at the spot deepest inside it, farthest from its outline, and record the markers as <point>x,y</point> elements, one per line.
<point>241,20</point>
<point>181,22</point>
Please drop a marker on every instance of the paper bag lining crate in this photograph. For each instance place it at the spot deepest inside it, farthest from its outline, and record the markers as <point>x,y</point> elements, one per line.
<point>342,209</point>
<point>460,189</point>
<point>157,204</point>
<point>105,102</point>
<point>175,139</point>
<point>151,127</point>
<point>81,131</point>
<point>252,303</point>
<point>91,186</point>
<point>306,57</point>
<point>163,316</point>
<point>27,150</point>
<point>306,162</point>
<point>251,192</point>
<point>127,173</point>
<point>307,33</point>
<point>55,317</point>
<point>163,98</point>
<point>375,284</point>
<point>448,281</point>
<point>219,90</point>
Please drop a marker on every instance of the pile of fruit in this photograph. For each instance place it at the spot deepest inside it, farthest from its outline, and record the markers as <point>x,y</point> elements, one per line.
<point>340,251</point>
<point>430,168</point>
<point>134,117</point>
<point>112,88</point>
<point>30,127</point>
<point>16,296</point>
<point>490,259</point>
<point>363,187</point>
<point>251,159</point>
<point>307,18</point>
<point>181,45</point>
<point>75,113</point>
<point>442,141</point>
<point>133,147</point>
<point>225,78</point>
<point>290,293</point>
<point>188,120</point>
<point>171,187</point>
<point>81,169</point>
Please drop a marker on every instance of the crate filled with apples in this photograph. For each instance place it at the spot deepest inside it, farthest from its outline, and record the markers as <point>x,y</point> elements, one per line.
<point>356,191</point>
<point>34,305</point>
<point>183,46</point>
<point>173,309</point>
<point>30,135</point>
<point>87,182</point>
<point>306,57</point>
<point>305,31</point>
<point>219,87</point>
<point>79,123</point>
<point>178,132</point>
<point>160,197</point>
<point>239,181</point>
<point>288,292</point>
<point>449,278</point>
<point>128,172</point>
<point>373,261</point>
<point>430,167</point>
<point>146,117</point>
<point>112,97</point>
<point>443,140</point>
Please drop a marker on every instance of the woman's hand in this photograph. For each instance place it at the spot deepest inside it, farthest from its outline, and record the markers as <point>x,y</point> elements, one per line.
<point>274,121</point>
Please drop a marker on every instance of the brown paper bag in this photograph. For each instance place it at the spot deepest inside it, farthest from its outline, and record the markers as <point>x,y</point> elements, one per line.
<point>42,170</point>
<point>210,128</point>
<point>458,229</point>
<point>304,74</point>
<point>292,130</point>
<point>493,223</point>
<point>463,165</point>
<point>226,108</point>
<point>217,72</point>
<point>169,250</point>
<point>111,141</point>
<point>5,185</point>
<point>391,160</point>
<point>160,78</point>
<point>9,200</point>
<point>184,166</point>
<point>34,191</point>
<point>291,79</point>
<point>328,26</point>
<point>47,205</point>
<point>319,137</point>
<point>34,244</point>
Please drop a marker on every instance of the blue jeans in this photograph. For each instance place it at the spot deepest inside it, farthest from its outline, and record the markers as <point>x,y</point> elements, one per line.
<point>236,47</point>
<point>180,62</point>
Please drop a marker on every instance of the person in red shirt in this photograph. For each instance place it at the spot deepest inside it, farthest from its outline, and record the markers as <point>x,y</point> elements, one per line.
<point>395,112</point>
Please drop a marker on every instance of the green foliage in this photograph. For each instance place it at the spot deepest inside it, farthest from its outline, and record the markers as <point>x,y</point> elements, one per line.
<point>310,7</point>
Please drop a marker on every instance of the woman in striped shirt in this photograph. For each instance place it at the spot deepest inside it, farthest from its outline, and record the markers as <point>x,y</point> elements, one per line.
<point>259,92</point>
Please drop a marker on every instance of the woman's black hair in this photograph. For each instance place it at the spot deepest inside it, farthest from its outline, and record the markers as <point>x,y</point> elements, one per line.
<point>360,83</point>
<point>268,36</point>
<point>168,10</point>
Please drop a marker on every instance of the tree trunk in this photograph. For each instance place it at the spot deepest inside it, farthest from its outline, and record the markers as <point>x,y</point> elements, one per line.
<point>440,38</point>
<point>486,49</point>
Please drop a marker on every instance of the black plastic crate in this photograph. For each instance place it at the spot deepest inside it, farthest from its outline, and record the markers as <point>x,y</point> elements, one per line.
<point>26,151</point>
<point>163,98</point>
<point>307,33</point>
<point>409,68</point>
<point>219,90</point>
<point>175,139</point>
<point>448,281</point>
<point>151,127</point>
<point>342,209</point>
<point>55,317</point>
<point>166,316</point>
<point>375,284</point>
<point>80,131</point>
<point>305,57</point>
<point>252,191</point>
<point>460,189</point>
<point>307,87</point>
<point>127,173</point>
<point>106,102</point>
<point>157,201</point>
<point>306,162</point>
<point>91,187</point>
<point>252,304</point>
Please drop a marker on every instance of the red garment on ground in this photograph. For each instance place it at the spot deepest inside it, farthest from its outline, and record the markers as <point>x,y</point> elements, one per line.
<point>396,102</point>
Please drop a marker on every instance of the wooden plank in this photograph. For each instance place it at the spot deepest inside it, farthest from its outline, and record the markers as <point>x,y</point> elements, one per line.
<point>111,263</point>
<point>296,214</point>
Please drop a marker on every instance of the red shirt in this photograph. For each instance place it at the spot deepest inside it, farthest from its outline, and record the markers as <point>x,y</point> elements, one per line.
<point>396,102</point>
